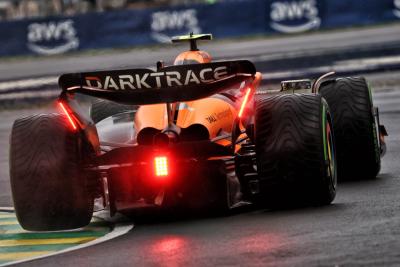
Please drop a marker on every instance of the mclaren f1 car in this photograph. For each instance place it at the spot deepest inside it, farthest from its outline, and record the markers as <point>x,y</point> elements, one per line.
<point>194,135</point>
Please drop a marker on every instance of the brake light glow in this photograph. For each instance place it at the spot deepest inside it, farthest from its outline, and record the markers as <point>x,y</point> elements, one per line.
<point>161,166</point>
<point>71,121</point>
<point>246,98</point>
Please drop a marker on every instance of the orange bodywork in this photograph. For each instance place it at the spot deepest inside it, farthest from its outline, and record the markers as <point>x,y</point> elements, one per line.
<point>215,113</point>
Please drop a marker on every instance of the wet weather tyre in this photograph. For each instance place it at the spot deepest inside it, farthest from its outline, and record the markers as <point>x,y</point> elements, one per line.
<point>350,101</point>
<point>48,184</point>
<point>102,109</point>
<point>295,150</point>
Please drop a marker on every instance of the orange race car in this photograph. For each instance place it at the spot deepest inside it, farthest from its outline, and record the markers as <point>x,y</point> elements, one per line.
<point>197,134</point>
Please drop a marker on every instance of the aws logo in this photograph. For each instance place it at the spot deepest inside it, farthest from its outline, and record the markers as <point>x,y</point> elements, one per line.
<point>396,10</point>
<point>166,24</point>
<point>54,37</point>
<point>294,16</point>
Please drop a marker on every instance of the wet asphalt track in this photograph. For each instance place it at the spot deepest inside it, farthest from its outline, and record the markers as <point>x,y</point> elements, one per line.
<point>361,227</point>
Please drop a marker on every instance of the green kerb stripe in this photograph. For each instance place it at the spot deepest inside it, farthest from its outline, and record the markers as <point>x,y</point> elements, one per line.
<point>16,243</point>
<point>10,227</point>
<point>93,224</point>
<point>8,219</point>
<point>53,235</point>
<point>55,247</point>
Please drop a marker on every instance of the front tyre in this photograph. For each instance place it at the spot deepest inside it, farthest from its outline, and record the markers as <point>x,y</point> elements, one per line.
<point>296,159</point>
<point>49,186</point>
<point>358,152</point>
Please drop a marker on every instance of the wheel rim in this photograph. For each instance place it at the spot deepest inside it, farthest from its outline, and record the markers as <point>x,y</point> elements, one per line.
<point>331,167</point>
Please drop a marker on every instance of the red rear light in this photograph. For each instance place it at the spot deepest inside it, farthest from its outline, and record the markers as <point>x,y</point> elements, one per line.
<point>246,98</point>
<point>161,166</point>
<point>71,121</point>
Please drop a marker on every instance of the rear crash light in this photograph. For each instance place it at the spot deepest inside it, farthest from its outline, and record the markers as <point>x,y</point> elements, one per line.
<point>244,103</point>
<point>161,166</point>
<point>70,119</point>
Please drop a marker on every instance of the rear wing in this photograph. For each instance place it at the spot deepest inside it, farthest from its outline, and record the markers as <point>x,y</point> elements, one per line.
<point>168,84</point>
<point>146,86</point>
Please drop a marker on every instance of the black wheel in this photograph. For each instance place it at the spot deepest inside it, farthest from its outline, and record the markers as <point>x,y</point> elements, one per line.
<point>102,109</point>
<point>49,187</point>
<point>358,153</point>
<point>295,150</point>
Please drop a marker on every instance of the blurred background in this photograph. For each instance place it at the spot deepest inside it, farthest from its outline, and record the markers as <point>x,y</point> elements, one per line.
<point>19,9</point>
<point>286,39</point>
<point>40,27</point>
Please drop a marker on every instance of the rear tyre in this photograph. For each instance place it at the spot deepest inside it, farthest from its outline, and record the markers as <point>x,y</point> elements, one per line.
<point>49,187</point>
<point>358,153</point>
<point>102,109</point>
<point>295,150</point>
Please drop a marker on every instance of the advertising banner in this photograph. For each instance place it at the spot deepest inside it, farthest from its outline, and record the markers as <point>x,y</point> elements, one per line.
<point>127,28</point>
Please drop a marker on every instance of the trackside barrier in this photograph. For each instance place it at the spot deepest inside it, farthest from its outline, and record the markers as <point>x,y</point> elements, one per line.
<point>56,35</point>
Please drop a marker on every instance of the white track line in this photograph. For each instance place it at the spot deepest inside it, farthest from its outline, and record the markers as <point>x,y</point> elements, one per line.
<point>33,82</point>
<point>18,86</point>
<point>338,66</point>
<point>119,230</point>
<point>7,209</point>
<point>31,94</point>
